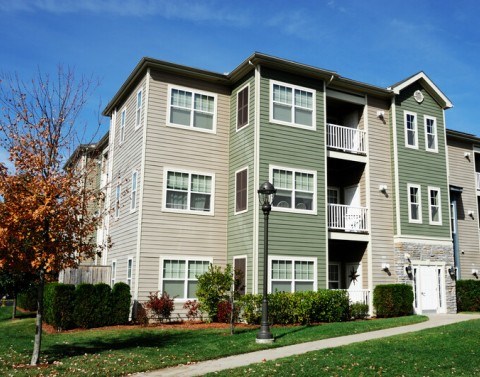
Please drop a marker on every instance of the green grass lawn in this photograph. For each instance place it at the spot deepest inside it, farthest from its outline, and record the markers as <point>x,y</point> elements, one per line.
<point>118,352</point>
<point>444,351</point>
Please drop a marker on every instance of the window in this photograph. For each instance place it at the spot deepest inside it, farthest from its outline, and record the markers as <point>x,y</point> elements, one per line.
<point>434,207</point>
<point>296,190</point>
<point>133,194</point>
<point>292,105</point>
<point>333,276</point>
<point>114,272</point>
<point>138,112</point>
<point>118,190</point>
<point>431,134</point>
<point>414,204</point>
<point>292,275</point>
<point>411,135</point>
<point>179,276</point>
<point>123,119</point>
<point>242,108</point>
<point>333,195</point>
<point>192,109</point>
<point>240,274</point>
<point>189,192</point>
<point>129,271</point>
<point>241,182</point>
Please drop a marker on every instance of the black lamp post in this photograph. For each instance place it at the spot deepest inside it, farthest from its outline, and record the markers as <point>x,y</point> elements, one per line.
<point>266,193</point>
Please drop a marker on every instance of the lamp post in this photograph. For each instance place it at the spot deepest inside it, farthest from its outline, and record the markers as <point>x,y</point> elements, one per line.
<point>266,193</point>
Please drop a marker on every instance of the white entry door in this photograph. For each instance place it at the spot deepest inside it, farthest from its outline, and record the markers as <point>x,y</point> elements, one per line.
<point>353,281</point>
<point>353,215</point>
<point>428,289</point>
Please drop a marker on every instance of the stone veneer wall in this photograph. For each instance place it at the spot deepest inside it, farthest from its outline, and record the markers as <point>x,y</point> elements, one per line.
<point>430,253</point>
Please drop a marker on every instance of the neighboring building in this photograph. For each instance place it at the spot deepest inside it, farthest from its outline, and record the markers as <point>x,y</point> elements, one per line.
<point>464,179</point>
<point>361,174</point>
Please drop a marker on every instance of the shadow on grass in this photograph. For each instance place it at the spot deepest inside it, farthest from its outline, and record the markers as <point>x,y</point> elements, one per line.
<point>130,341</point>
<point>291,331</point>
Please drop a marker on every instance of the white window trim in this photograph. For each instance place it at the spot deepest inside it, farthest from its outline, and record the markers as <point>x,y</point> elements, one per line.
<point>292,259</point>
<point>334,188</point>
<point>138,110</point>
<point>425,118</point>
<point>410,220</point>
<point>312,211</point>
<point>405,113</point>
<point>186,259</point>
<point>339,265</point>
<point>439,222</point>
<point>313,127</point>
<point>129,278</point>
<point>113,277</point>
<point>246,269</point>
<point>247,86</point>
<point>193,91</point>
<point>188,211</point>
<point>118,197</point>
<point>123,122</point>
<point>235,201</point>
<point>134,193</point>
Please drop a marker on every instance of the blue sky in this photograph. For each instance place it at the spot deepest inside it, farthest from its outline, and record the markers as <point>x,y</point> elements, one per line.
<point>377,42</point>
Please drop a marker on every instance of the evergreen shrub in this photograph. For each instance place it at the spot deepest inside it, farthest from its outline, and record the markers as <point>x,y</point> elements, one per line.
<point>468,295</point>
<point>393,300</point>
<point>120,304</point>
<point>58,302</point>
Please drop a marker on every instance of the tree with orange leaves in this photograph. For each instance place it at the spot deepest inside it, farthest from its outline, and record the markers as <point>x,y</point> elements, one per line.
<point>46,224</point>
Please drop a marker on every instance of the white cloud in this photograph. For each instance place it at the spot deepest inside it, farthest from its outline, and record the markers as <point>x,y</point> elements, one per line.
<point>180,9</point>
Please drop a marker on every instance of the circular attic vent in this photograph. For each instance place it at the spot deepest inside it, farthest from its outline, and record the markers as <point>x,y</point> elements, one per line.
<point>418,95</point>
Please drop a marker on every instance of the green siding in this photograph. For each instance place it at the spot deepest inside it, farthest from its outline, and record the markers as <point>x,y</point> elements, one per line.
<point>240,226</point>
<point>292,234</point>
<point>418,166</point>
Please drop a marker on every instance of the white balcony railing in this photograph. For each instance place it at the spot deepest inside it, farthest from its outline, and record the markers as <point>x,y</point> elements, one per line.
<point>346,139</point>
<point>359,295</point>
<point>347,218</point>
<point>478,181</point>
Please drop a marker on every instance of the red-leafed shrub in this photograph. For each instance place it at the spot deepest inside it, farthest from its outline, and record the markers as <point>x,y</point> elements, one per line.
<point>224,312</point>
<point>192,309</point>
<point>160,306</point>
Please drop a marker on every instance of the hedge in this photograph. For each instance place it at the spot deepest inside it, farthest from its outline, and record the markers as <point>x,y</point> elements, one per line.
<point>299,307</point>
<point>468,295</point>
<point>27,299</point>
<point>393,300</point>
<point>86,305</point>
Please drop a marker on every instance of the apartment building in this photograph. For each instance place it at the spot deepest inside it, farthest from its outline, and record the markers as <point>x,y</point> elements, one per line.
<point>361,174</point>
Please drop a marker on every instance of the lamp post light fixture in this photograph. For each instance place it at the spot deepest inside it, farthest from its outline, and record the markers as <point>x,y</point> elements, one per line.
<point>266,193</point>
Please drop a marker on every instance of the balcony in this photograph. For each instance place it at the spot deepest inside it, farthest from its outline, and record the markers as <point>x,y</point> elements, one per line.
<point>347,218</point>
<point>346,139</point>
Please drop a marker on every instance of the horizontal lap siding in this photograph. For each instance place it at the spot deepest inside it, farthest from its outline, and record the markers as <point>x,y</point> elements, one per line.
<point>417,166</point>
<point>462,174</point>
<point>182,234</point>
<point>240,226</point>
<point>381,206</point>
<point>294,234</point>
<point>127,157</point>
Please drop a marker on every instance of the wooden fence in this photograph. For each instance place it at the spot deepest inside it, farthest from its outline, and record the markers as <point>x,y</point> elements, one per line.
<point>86,274</point>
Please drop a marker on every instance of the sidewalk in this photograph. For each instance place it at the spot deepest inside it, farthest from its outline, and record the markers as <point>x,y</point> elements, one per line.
<point>209,366</point>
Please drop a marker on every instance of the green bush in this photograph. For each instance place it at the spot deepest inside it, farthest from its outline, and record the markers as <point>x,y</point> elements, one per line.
<point>84,310</point>
<point>213,287</point>
<point>358,311</point>
<point>120,304</point>
<point>27,299</point>
<point>58,302</point>
<point>468,295</point>
<point>393,300</point>
<point>102,304</point>
<point>299,307</point>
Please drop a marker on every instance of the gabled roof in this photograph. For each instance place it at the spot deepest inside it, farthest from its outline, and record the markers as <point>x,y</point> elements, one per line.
<point>429,86</point>
<point>463,136</point>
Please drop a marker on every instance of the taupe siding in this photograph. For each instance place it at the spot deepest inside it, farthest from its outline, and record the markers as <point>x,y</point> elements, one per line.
<point>462,174</point>
<point>182,234</point>
<point>127,157</point>
<point>381,206</point>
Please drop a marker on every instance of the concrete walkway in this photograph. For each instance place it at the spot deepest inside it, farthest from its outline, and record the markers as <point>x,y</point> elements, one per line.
<point>209,366</point>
